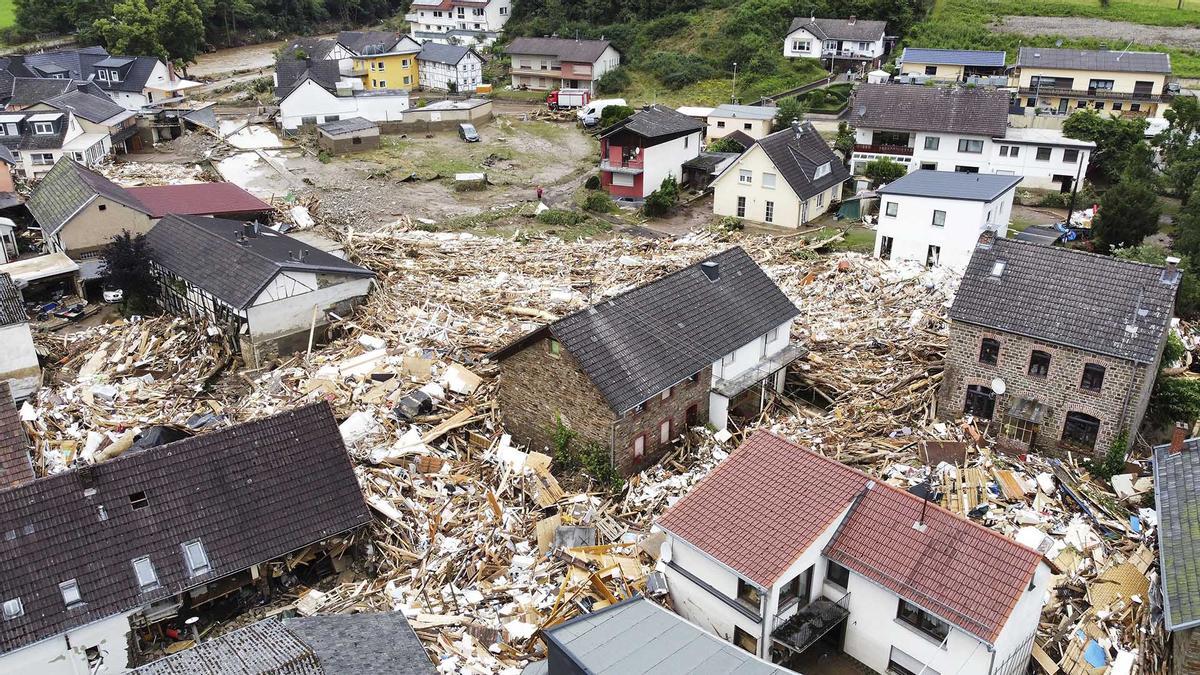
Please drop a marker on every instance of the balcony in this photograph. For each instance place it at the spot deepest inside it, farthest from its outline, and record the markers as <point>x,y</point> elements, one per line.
<point>537,72</point>
<point>1102,94</point>
<point>845,54</point>
<point>632,166</point>
<point>902,150</point>
<point>799,631</point>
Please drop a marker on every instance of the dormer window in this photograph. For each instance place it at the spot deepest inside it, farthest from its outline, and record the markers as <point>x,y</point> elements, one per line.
<point>821,171</point>
<point>196,558</point>
<point>114,76</point>
<point>43,128</point>
<point>102,74</point>
<point>143,569</point>
<point>70,593</point>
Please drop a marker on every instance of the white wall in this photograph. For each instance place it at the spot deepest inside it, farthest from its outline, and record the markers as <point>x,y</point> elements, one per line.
<point>814,45</point>
<point>293,311</point>
<point>609,60</point>
<point>912,229</point>
<point>467,74</point>
<point>698,605</point>
<point>18,360</point>
<point>719,127</point>
<point>666,159</point>
<point>1038,173</point>
<point>745,358</point>
<point>312,100</point>
<point>788,209</point>
<point>53,656</point>
<point>130,100</point>
<point>1025,616</point>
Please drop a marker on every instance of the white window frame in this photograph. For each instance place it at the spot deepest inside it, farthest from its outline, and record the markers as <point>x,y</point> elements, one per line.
<point>145,584</point>
<point>191,550</point>
<point>639,445</point>
<point>13,609</point>
<point>745,176</point>
<point>935,218</point>
<point>741,207</point>
<point>768,180</point>
<point>43,128</point>
<point>102,74</point>
<point>664,431</point>
<point>39,158</point>
<point>70,593</point>
<point>728,359</point>
<point>821,200</point>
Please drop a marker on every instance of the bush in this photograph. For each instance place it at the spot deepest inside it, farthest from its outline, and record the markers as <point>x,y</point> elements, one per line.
<point>592,458</point>
<point>725,145</point>
<point>1084,197</point>
<point>613,114</point>
<point>730,223</point>
<point>1175,399</point>
<point>677,70</point>
<point>560,217</point>
<point>599,202</point>
<point>1113,462</point>
<point>883,171</point>
<point>592,183</point>
<point>661,201</point>
<point>324,157</point>
<point>613,82</point>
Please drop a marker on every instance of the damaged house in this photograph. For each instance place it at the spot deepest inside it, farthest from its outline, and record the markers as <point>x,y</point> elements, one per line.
<point>634,371</point>
<point>96,559</point>
<point>19,366</point>
<point>275,293</point>
<point>802,560</point>
<point>1177,496</point>
<point>1059,347</point>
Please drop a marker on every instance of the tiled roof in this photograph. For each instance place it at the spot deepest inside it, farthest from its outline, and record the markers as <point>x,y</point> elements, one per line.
<point>347,126</point>
<point>840,29</point>
<point>1101,60</point>
<point>29,90</point>
<point>974,187</point>
<point>656,121</point>
<point>564,49</point>
<point>314,48</point>
<point>797,155</point>
<point>15,464</point>
<point>235,490</point>
<point>365,42</point>
<point>262,648</point>
<point>197,199</point>
<point>744,514</point>
<point>291,73</point>
<point>440,53</point>
<point>11,308</point>
<point>954,57</point>
<point>908,107</point>
<point>1093,302</point>
<point>68,187</point>
<point>1177,499</point>
<point>634,345</point>
<point>133,75</point>
<point>205,252</point>
<point>91,107</point>
<point>74,62</point>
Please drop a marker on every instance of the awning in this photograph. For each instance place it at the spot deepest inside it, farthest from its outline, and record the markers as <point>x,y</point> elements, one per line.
<point>734,386</point>
<point>31,270</point>
<point>1028,410</point>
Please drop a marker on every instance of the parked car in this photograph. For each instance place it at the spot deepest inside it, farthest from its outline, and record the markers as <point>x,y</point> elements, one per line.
<point>467,133</point>
<point>113,295</point>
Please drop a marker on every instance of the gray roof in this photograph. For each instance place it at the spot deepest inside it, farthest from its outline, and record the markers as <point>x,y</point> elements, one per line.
<point>314,48</point>
<point>205,252</point>
<point>29,90</point>
<point>67,188</point>
<point>291,73</point>
<point>564,49</point>
<point>1057,295</point>
<point>656,121</point>
<point>133,74</point>
<point>11,308</point>
<point>749,112</point>
<point>797,157</point>
<point>1177,499</point>
<point>366,42</point>
<point>75,62</point>
<point>1076,59</point>
<point>347,126</point>
<point>907,107</point>
<point>972,187</point>
<point>91,107</point>
<point>440,53</point>
<point>840,29</point>
<point>954,57</point>
<point>636,344</point>
<point>262,648</point>
<point>637,636</point>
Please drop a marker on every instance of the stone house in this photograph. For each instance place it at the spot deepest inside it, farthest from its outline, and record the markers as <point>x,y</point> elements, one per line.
<point>1059,348</point>
<point>634,371</point>
<point>1176,496</point>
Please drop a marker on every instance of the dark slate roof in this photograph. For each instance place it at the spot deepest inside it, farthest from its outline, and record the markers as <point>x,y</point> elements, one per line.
<point>68,187</point>
<point>1068,297</point>
<point>26,139</point>
<point>133,75</point>
<point>1075,59</point>
<point>1177,498</point>
<point>636,344</point>
<point>907,107</point>
<point>291,73</point>
<point>954,57</point>
<point>564,49</point>
<point>14,65</point>
<point>314,48</point>
<point>355,644</point>
<point>206,253</point>
<point>797,156</point>
<point>11,308</point>
<point>741,138</point>
<point>73,61</point>
<point>656,121</point>
<point>347,126</point>
<point>29,90</point>
<point>972,187</point>
<point>840,29</point>
<point>91,107</point>
<point>365,42</point>
<point>16,467</point>
<point>235,490</point>
<point>439,53</point>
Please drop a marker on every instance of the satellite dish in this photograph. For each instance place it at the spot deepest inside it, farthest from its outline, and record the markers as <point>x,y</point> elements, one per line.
<point>998,386</point>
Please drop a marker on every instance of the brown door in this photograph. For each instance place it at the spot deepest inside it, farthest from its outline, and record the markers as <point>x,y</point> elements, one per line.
<point>693,415</point>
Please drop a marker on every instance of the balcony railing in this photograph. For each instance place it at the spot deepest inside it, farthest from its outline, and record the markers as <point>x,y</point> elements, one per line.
<point>844,54</point>
<point>799,631</point>
<point>1106,94</point>
<point>542,72</point>
<point>884,149</point>
<point>632,166</point>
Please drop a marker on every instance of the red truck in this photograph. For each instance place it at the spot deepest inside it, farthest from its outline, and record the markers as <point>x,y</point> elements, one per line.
<point>566,99</point>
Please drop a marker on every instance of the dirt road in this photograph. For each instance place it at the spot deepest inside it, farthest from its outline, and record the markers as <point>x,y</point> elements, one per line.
<point>1119,32</point>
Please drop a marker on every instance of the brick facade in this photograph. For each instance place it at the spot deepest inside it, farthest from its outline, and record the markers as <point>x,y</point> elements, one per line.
<point>1185,652</point>
<point>674,408</point>
<point>1120,404</point>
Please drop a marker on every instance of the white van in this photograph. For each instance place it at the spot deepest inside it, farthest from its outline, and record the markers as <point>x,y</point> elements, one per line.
<point>590,113</point>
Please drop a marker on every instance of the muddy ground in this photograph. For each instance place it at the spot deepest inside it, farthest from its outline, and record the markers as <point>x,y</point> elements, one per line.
<point>1119,32</point>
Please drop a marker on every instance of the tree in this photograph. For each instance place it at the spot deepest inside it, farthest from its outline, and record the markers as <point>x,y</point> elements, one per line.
<point>663,199</point>
<point>180,25</point>
<point>1113,136</point>
<point>125,261</point>
<point>614,81</point>
<point>613,114</point>
<point>131,29</point>
<point>883,171</point>
<point>1139,164</point>
<point>726,144</point>
<point>789,109</point>
<point>1129,213</point>
<point>1187,224</point>
<point>1180,146</point>
<point>844,142</point>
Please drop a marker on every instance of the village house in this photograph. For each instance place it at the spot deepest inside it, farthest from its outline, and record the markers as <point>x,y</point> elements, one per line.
<point>954,65</point>
<point>136,82</point>
<point>785,179</point>
<point>641,151</point>
<point>270,291</point>
<point>754,121</point>
<point>16,465</point>
<point>1176,496</point>
<point>389,64</point>
<point>96,113</point>
<point>321,95</point>
<point>936,217</point>
<point>353,134</point>
<point>20,372</point>
<point>1060,81</point>
<point>870,576</point>
<point>468,22</point>
<point>848,41</point>
<point>449,68</point>
<point>1045,158</point>
<point>545,63</point>
<point>38,140</point>
<point>634,371</point>
<point>1058,366</point>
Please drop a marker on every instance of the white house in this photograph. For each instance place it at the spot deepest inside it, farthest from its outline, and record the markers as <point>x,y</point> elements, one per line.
<point>847,40</point>
<point>1044,157</point>
<point>638,153</point>
<point>936,217</point>
<point>458,21</point>
<point>543,63</point>
<point>138,81</point>
<point>787,178</point>
<point>315,102</point>
<point>781,550</point>
<point>753,120</point>
<point>442,67</point>
<point>18,359</point>
<point>37,140</point>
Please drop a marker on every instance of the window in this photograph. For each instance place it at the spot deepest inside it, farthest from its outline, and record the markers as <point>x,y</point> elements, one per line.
<point>720,124</point>
<point>138,500</point>
<point>43,128</point>
<point>1093,377</point>
<point>745,640</point>
<point>1030,102</point>
<point>383,84</point>
<point>773,334</point>
<point>195,557</point>
<point>1117,105</point>
<point>1043,155</point>
<point>102,207</point>
<point>144,570</point>
<point>969,145</point>
<point>747,126</point>
<point>989,351</point>
<point>932,142</point>
<point>768,181</point>
<point>1103,85</point>
<point>821,171</point>
<point>769,212</point>
<point>797,589</point>
<point>42,158</point>
<point>102,74</point>
<point>13,609</point>
<point>891,209</point>
<point>1099,105</point>
<point>799,45</point>
<point>1135,107</point>
<point>407,79</point>
<point>114,76</point>
<point>1081,103</point>
<point>685,141</point>
<point>1080,430</point>
<point>821,199</point>
<point>741,207</point>
<point>749,595</point>
<point>960,168</point>
<point>308,120</point>
<point>1004,151</point>
<point>745,176</point>
<point>980,402</point>
<point>403,63</point>
<point>1010,150</point>
<point>1070,155</point>
<point>664,432</point>
<point>900,663</point>
<point>939,218</point>
<point>1020,430</point>
<point>922,621</point>
<point>931,70</point>
<point>728,359</point>
<point>356,141</point>
<point>503,11</point>
<point>70,593</point>
<point>554,347</point>
<point>837,575</point>
<point>1039,363</point>
<point>931,166</point>
<point>639,446</point>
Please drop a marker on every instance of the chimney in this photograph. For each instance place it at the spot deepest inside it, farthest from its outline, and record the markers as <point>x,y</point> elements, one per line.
<point>987,239</point>
<point>711,270</point>
<point>301,254</point>
<point>1178,436</point>
<point>1171,274</point>
<point>852,20</point>
<point>247,230</point>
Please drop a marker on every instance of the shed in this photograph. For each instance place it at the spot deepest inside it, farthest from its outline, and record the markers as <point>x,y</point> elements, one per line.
<point>353,134</point>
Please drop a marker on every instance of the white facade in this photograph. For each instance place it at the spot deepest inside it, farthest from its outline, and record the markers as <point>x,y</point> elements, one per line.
<point>802,44</point>
<point>462,24</point>
<point>162,84</point>
<point>753,362</point>
<point>1046,158</point>
<point>466,75</point>
<point>913,233</point>
<point>764,195</point>
<point>67,653</point>
<point>19,361</point>
<point>310,103</point>
<point>666,159</point>
<point>86,148</point>
<point>720,126</point>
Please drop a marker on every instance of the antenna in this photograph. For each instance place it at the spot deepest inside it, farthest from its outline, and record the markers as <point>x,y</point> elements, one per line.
<point>920,525</point>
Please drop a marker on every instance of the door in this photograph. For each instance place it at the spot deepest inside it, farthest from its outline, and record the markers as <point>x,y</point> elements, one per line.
<point>885,248</point>
<point>1062,106</point>
<point>980,402</point>
<point>693,415</point>
<point>933,256</point>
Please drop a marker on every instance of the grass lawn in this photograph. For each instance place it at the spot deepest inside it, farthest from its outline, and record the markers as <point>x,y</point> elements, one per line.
<point>8,13</point>
<point>1019,224</point>
<point>644,88</point>
<point>857,240</point>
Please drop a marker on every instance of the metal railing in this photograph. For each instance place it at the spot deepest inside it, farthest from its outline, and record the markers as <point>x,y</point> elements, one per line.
<point>884,149</point>
<point>810,623</point>
<point>1106,94</point>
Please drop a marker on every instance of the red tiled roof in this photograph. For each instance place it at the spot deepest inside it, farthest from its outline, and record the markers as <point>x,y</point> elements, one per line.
<point>198,199</point>
<point>763,506</point>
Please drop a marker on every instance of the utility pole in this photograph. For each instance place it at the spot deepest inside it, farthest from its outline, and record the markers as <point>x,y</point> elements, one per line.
<point>733,95</point>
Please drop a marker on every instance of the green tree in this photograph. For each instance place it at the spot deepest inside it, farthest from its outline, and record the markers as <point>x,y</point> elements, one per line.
<point>883,171</point>
<point>613,114</point>
<point>125,261</point>
<point>1129,213</point>
<point>725,144</point>
<point>662,200</point>
<point>614,81</point>
<point>180,26</point>
<point>1180,146</point>
<point>1139,164</point>
<point>1113,136</point>
<point>844,142</point>
<point>132,30</point>
<point>1187,224</point>
<point>788,110</point>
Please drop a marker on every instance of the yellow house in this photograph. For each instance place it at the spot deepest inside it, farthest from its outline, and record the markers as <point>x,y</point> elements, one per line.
<point>1132,84</point>
<point>953,65</point>
<point>395,68</point>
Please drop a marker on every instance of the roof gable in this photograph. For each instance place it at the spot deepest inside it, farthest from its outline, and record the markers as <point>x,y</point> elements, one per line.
<point>91,107</point>
<point>908,107</point>
<point>447,54</point>
<point>655,122</point>
<point>66,189</point>
<point>798,155</point>
<point>564,49</point>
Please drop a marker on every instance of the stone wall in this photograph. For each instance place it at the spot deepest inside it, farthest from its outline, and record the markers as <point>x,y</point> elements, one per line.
<point>674,408</point>
<point>1119,404</point>
<point>1185,652</point>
